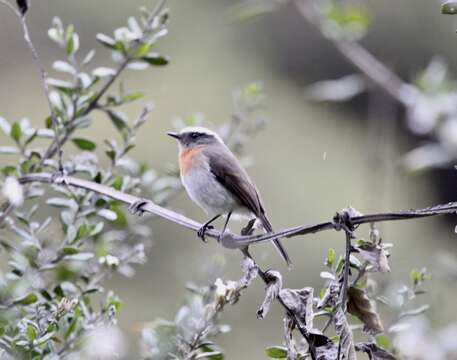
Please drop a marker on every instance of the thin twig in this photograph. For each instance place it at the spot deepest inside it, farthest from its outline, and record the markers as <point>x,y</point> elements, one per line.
<point>361,58</point>
<point>11,7</point>
<point>347,260</point>
<point>58,143</point>
<point>43,74</point>
<point>6,210</point>
<point>231,240</point>
<point>344,286</point>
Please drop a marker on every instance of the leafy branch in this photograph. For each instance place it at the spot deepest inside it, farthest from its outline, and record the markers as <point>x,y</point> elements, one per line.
<point>347,220</point>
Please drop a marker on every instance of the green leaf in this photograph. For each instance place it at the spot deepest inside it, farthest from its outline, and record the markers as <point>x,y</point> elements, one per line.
<point>46,294</point>
<point>117,303</point>
<point>383,341</point>
<point>121,219</point>
<point>417,277</point>
<point>133,96</point>
<point>155,60</point>
<point>449,7</point>
<point>72,328</point>
<point>111,154</point>
<point>16,132</point>
<point>72,40</point>
<point>26,300</point>
<point>143,50</point>
<point>59,291</point>
<point>31,137</point>
<point>339,265</point>
<point>330,257</point>
<point>31,332</point>
<point>81,232</point>
<point>98,178</point>
<point>9,170</point>
<point>213,355</point>
<point>70,250</point>
<point>48,122</point>
<point>84,144</point>
<point>119,120</point>
<point>276,352</point>
<point>117,183</point>
<point>96,229</point>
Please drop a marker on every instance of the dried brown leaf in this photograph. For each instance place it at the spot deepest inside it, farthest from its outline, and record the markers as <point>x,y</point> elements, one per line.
<point>375,254</point>
<point>300,302</point>
<point>274,285</point>
<point>364,309</point>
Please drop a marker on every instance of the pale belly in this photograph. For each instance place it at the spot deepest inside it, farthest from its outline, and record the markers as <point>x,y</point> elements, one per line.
<point>208,193</point>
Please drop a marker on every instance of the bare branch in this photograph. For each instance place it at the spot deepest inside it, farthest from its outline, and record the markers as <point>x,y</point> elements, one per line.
<point>11,7</point>
<point>231,240</point>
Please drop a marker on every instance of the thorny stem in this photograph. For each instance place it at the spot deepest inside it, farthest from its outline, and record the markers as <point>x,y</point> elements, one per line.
<point>231,240</point>
<point>235,240</point>
<point>344,286</point>
<point>347,259</point>
<point>303,331</point>
<point>361,273</point>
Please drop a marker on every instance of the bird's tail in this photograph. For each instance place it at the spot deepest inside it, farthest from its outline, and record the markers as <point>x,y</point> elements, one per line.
<point>277,243</point>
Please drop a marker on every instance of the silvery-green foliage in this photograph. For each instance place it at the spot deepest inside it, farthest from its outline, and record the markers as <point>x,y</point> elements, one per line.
<point>190,335</point>
<point>56,264</point>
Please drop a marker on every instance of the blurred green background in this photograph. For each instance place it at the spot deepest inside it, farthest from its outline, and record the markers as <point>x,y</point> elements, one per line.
<point>311,161</point>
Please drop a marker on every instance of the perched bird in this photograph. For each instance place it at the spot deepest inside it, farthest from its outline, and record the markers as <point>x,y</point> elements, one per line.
<point>216,181</point>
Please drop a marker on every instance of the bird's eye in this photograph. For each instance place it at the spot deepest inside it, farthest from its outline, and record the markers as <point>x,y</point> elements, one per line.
<point>194,135</point>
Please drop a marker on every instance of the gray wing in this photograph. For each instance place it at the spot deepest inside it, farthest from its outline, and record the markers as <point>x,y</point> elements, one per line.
<point>227,170</point>
<point>234,178</point>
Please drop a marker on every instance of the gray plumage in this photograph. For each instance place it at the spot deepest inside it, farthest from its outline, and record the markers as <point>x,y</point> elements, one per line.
<point>218,183</point>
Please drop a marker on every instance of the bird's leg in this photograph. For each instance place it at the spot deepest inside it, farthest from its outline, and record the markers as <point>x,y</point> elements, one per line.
<point>225,226</point>
<point>249,228</point>
<point>136,208</point>
<point>206,226</point>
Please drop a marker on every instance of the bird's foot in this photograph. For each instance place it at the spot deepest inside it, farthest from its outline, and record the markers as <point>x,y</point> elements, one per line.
<point>58,176</point>
<point>137,207</point>
<point>249,228</point>
<point>201,232</point>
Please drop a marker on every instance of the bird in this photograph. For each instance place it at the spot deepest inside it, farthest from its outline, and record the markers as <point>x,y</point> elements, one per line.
<point>216,181</point>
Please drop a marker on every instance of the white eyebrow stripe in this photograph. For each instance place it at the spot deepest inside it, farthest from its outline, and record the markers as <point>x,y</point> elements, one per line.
<point>200,129</point>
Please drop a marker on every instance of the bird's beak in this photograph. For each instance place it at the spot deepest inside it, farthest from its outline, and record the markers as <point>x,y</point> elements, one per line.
<point>174,135</point>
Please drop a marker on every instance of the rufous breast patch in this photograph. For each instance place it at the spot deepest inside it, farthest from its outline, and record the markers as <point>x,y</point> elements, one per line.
<point>188,158</point>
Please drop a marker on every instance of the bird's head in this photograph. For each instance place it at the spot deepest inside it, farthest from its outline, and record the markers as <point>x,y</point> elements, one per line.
<point>190,137</point>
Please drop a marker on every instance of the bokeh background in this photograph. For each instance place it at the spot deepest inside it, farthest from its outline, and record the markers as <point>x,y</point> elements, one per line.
<point>312,159</point>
